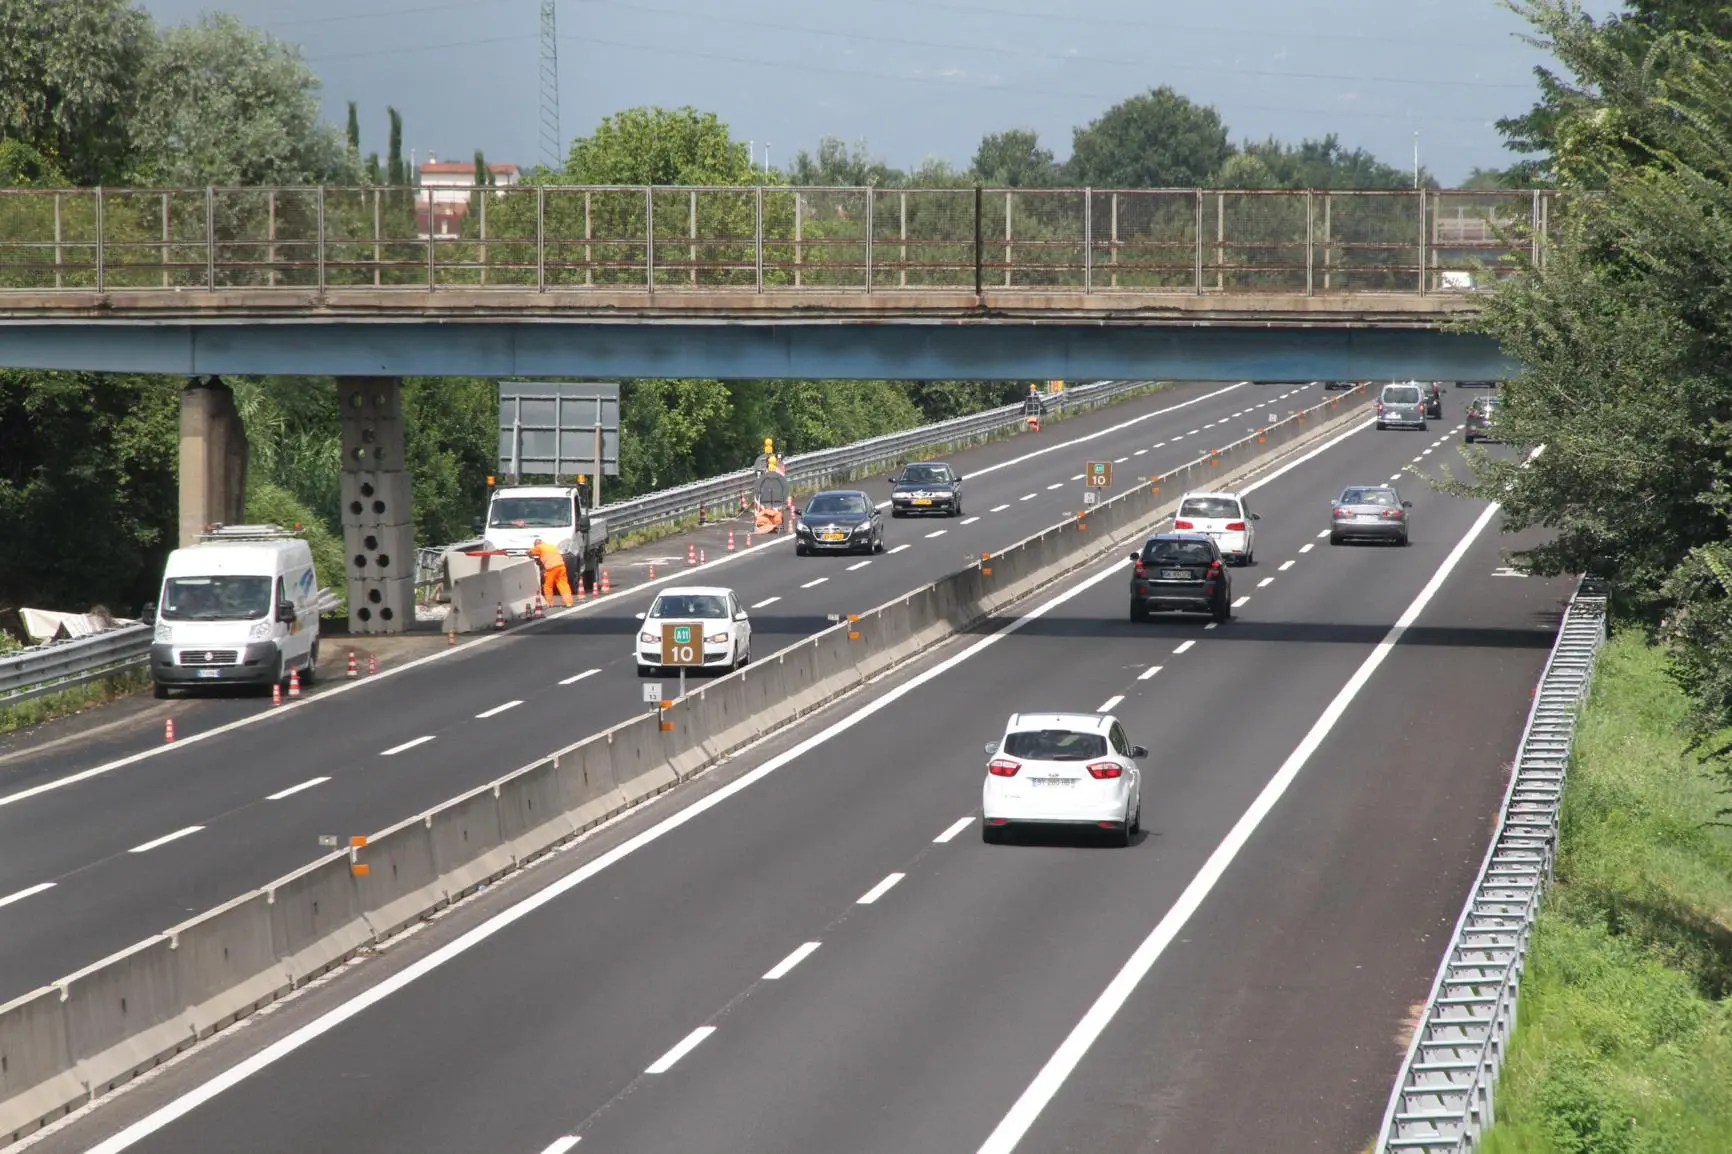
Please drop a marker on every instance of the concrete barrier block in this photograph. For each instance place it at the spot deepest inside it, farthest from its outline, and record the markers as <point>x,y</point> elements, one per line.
<point>227,962</point>
<point>468,847</point>
<point>126,1013</point>
<point>402,883</point>
<point>317,918</point>
<point>39,1080</point>
<point>533,812</point>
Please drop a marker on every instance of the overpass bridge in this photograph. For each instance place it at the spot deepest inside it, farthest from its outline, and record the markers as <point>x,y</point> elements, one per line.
<point>828,283</point>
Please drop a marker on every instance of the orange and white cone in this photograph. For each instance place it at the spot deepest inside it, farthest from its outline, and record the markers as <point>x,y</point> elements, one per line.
<point>499,616</point>
<point>730,540</point>
<point>294,683</point>
<point>276,693</point>
<point>748,540</point>
<point>373,661</point>
<point>652,572</point>
<point>703,557</point>
<point>354,669</point>
<point>540,612</point>
<point>606,583</point>
<point>691,554</point>
<point>168,730</point>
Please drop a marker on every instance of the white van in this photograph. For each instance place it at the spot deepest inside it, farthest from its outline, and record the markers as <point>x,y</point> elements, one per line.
<point>241,606</point>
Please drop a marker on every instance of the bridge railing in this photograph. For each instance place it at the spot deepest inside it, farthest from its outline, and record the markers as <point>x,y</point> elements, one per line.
<point>767,240</point>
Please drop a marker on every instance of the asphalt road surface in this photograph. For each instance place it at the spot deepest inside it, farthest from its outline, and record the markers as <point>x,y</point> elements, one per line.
<point>102,853</point>
<point>811,949</point>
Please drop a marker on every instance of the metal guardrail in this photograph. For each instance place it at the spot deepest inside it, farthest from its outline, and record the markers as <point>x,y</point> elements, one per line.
<point>1442,1099</point>
<point>723,495</point>
<point>779,239</point>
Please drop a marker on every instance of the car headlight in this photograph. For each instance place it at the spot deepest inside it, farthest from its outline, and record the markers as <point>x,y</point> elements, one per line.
<point>163,634</point>
<point>863,527</point>
<point>261,631</point>
<point>715,638</point>
<point>648,638</point>
<point>800,527</point>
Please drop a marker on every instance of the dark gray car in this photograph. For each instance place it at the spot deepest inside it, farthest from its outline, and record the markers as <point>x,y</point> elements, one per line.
<point>926,487</point>
<point>1401,406</point>
<point>1369,513</point>
<point>839,521</point>
<point>1180,572</point>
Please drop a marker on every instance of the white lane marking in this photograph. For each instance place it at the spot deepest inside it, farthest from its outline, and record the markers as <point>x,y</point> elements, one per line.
<point>1184,645</point>
<point>998,508</point>
<point>1110,702</point>
<point>687,1044</point>
<point>1426,453</point>
<point>1120,460</point>
<point>166,838</point>
<point>561,1145</point>
<point>1029,497</point>
<point>1241,601</point>
<point>1211,625</point>
<point>1307,547</point>
<point>396,749</point>
<point>858,565</point>
<point>186,1103</point>
<point>1046,1084</point>
<point>22,894</point>
<point>1267,581</point>
<point>1395,476</point>
<point>1139,452</point>
<point>497,710</point>
<point>294,789</point>
<point>970,520</point>
<point>781,968</point>
<point>1055,485</point>
<point>1160,444</point>
<point>899,548</point>
<point>951,831</point>
<point>1416,460</point>
<point>1323,534</point>
<point>1148,673</point>
<point>936,533</point>
<point>1193,432</point>
<point>814,582</point>
<point>1078,477</point>
<point>879,890</point>
<point>577,677</point>
<point>766,602</point>
<point>1286,565</point>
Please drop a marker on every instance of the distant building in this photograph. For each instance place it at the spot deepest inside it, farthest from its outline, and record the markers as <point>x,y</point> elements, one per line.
<point>443,198</point>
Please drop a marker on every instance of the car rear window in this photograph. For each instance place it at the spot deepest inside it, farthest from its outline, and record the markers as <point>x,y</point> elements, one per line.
<point>1368,497</point>
<point>1401,395</point>
<point>1215,507</point>
<point>1054,745</point>
<point>1177,553</point>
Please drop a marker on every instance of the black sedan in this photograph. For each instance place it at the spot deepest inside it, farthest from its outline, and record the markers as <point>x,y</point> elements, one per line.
<point>1434,400</point>
<point>1482,419</point>
<point>929,487</point>
<point>1180,572</point>
<point>839,521</point>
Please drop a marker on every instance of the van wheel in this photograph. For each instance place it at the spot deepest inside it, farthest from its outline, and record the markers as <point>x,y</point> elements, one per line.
<point>311,672</point>
<point>161,691</point>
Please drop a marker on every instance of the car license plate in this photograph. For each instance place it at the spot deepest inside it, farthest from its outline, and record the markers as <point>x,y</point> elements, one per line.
<point>1174,575</point>
<point>832,537</point>
<point>1054,781</point>
<point>923,500</point>
<point>210,673</point>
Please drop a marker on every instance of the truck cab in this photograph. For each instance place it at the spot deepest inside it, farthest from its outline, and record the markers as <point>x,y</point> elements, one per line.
<point>559,514</point>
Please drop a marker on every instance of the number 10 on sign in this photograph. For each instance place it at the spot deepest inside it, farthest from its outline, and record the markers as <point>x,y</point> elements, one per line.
<point>1100,474</point>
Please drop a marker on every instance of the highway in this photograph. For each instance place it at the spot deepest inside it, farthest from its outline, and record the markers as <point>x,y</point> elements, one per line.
<point>102,854</point>
<point>811,948</point>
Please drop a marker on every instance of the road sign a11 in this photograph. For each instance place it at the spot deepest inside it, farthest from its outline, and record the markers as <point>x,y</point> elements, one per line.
<point>1100,474</point>
<point>682,644</point>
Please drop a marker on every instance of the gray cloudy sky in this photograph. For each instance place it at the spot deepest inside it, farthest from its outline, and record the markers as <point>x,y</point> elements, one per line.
<point>917,78</point>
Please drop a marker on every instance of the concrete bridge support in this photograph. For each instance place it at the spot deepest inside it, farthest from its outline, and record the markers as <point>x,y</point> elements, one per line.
<point>213,459</point>
<point>378,512</point>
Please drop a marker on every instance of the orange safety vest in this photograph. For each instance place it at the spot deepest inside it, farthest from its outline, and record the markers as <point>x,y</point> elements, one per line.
<point>549,556</point>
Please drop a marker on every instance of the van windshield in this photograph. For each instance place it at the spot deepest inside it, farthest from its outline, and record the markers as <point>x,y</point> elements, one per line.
<point>530,513</point>
<point>229,597</point>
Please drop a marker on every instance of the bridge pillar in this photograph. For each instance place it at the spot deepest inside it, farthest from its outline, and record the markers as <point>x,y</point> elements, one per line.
<point>378,513</point>
<point>213,459</point>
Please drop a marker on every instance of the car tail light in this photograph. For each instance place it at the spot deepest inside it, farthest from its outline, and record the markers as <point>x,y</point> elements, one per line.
<point>1214,569</point>
<point>1340,512</point>
<point>1236,527</point>
<point>1183,525</point>
<point>1142,570</point>
<point>1393,514</point>
<point>1003,767</point>
<point>1102,770</point>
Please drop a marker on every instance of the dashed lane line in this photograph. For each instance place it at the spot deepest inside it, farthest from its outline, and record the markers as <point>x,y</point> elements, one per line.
<point>497,710</point>
<point>1307,547</point>
<point>410,744</point>
<point>1183,646</point>
<point>1265,582</point>
<point>1241,601</point>
<point>1110,702</point>
<point>1286,565</point>
<point>814,582</point>
<point>577,677</point>
<point>687,1044</point>
<point>780,969</point>
<point>1002,508</point>
<point>294,789</point>
<point>879,890</point>
<point>166,838</point>
<point>766,602</point>
<point>954,828</point>
<point>27,893</point>
<point>1148,673</point>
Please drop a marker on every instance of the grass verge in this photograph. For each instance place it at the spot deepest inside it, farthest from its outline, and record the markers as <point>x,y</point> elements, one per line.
<point>1623,1042</point>
<point>75,700</point>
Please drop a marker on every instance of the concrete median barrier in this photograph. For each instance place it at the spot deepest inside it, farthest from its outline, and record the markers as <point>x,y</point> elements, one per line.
<point>142,1006</point>
<point>479,584</point>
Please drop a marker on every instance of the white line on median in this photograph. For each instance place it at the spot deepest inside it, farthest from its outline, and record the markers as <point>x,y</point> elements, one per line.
<point>22,894</point>
<point>396,749</point>
<point>1016,1124</point>
<point>1028,497</point>
<point>766,602</point>
<point>1265,582</point>
<point>1139,452</point>
<point>1323,534</point>
<point>782,967</point>
<point>1116,461</point>
<point>1110,702</point>
<point>1055,485</point>
<point>1286,565</point>
<point>165,839</point>
<point>689,1043</point>
<point>1148,673</point>
<point>294,789</point>
<point>1241,601</point>
<point>1078,477</point>
<point>1307,547</point>
<point>954,828</point>
<point>879,890</point>
<point>1184,645</point>
<point>814,582</point>
<point>577,677</point>
<point>497,710</point>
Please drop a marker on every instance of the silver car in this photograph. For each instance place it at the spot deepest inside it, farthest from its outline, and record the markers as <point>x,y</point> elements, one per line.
<point>1369,513</point>
<point>1401,405</point>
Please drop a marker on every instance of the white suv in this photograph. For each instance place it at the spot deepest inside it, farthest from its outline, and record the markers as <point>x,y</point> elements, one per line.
<point>1074,769</point>
<point>1226,517</point>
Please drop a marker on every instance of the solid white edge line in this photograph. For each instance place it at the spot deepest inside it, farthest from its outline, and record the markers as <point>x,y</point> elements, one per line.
<point>576,677</point>
<point>1069,1054</point>
<point>879,890</point>
<point>1184,645</point>
<point>561,1145</point>
<point>1110,702</point>
<point>687,1044</point>
<point>184,1104</point>
<point>781,968</point>
<point>1149,672</point>
<point>953,829</point>
<point>497,710</point>
<point>411,744</point>
<point>166,838</point>
<point>294,789</point>
<point>26,893</point>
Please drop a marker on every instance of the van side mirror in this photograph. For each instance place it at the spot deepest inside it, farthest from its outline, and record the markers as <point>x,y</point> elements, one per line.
<point>286,613</point>
<point>476,525</point>
<point>643,616</point>
<point>1138,752</point>
<point>148,614</point>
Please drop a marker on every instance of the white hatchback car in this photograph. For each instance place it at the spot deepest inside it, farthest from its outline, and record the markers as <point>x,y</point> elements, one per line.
<point>1063,769</point>
<point>727,640</point>
<point>1226,517</point>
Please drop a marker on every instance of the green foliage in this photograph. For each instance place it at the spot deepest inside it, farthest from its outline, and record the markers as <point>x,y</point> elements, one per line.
<point>1158,139</point>
<point>1625,1035</point>
<point>38,710</point>
<point>836,165</point>
<point>1014,159</point>
<point>660,146</point>
<point>21,166</point>
<point>271,504</point>
<point>1318,164</point>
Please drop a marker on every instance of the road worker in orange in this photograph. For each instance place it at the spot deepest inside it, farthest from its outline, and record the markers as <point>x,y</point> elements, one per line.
<point>553,575</point>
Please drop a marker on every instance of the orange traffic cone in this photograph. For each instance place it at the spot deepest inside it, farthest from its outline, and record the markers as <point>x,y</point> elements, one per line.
<point>703,557</point>
<point>276,693</point>
<point>691,553</point>
<point>730,540</point>
<point>499,616</point>
<point>606,584</point>
<point>354,670</point>
<point>168,730</point>
<point>539,611</point>
<point>652,572</point>
<point>748,540</point>
<point>294,683</point>
<point>373,660</point>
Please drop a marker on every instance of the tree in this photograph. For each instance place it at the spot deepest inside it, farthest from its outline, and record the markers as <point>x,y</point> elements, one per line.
<point>69,81</point>
<point>1156,140</point>
<point>396,172</point>
<point>353,131</point>
<point>221,103</point>
<point>835,165</point>
<point>1318,164</point>
<point>660,146</point>
<point>1014,159</point>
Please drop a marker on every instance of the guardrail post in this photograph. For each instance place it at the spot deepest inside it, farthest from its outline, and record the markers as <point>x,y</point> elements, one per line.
<point>978,192</point>
<point>378,239</point>
<point>758,235</point>
<point>1328,199</point>
<point>1088,241</point>
<point>692,243</point>
<point>1534,229</point>
<point>1310,243</point>
<point>1220,242</point>
<point>799,236</point>
<point>1199,231</point>
<point>870,199</point>
<point>432,238</point>
<point>482,197</point>
<point>649,247</point>
<point>59,256</point>
<point>271,232</point>
<point>902,238</point>
<point>101,269</point>
<point>1009,252</point>
<point>319,238</point>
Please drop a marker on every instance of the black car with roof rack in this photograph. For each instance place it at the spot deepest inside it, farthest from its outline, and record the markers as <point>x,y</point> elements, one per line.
<point>1180,573</point>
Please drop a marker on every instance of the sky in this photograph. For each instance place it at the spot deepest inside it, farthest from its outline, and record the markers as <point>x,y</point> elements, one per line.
<point>917,79</point>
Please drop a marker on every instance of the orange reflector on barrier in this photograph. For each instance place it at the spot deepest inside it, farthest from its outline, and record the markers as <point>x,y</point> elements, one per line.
<point>358,841</point>
<point>360,869</point>
<point>667,727</point>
